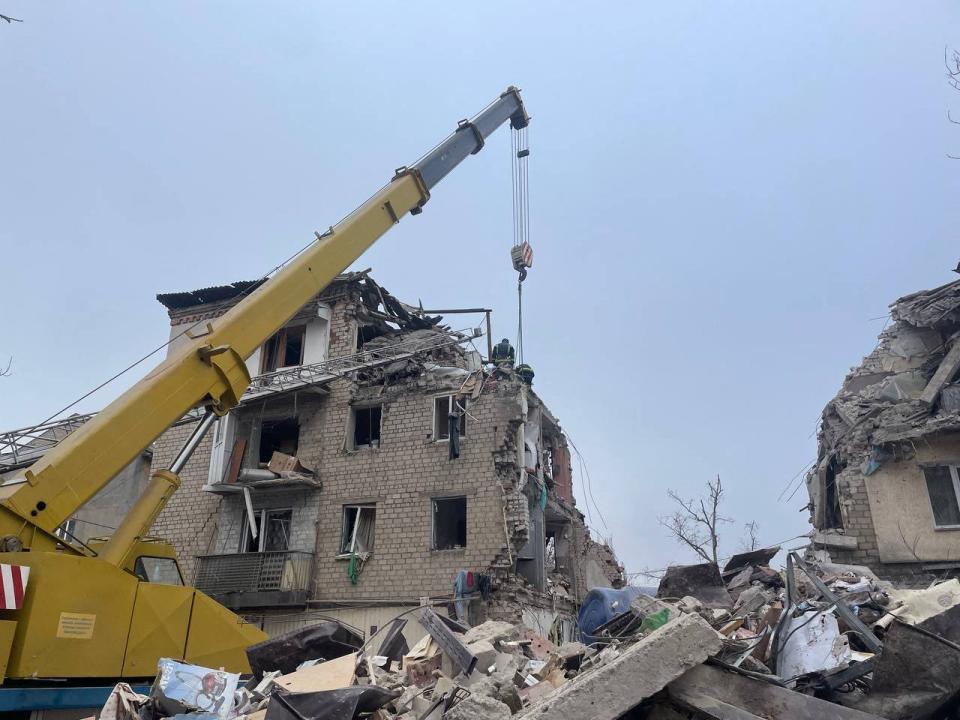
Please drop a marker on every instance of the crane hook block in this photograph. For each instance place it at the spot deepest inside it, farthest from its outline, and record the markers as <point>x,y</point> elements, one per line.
<point>522,257</point>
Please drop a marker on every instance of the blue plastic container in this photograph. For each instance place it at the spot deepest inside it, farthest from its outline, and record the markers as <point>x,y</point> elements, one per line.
<point>600,606</point>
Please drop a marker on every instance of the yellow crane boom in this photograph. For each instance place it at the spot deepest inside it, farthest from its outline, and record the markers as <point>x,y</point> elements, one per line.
<point>210,372</point>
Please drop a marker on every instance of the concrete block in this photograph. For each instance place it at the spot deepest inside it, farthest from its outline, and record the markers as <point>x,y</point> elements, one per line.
<point>485,653</point>
<point>478,707</point>
<point>491,631</point>
<point>716,693</point>
<point>642,669</point>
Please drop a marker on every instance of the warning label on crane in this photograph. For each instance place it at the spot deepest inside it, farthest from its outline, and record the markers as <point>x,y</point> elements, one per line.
<point>76,626</point>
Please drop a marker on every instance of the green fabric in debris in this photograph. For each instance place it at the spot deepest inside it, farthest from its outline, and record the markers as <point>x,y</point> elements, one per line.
<point>352,571</point>
<point>652,622</point>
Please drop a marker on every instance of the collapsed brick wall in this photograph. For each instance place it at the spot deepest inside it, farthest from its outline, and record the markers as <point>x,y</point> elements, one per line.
<point>858,521</point>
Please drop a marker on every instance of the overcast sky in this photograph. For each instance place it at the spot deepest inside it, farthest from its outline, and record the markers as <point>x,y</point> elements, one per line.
<point>725,197</point>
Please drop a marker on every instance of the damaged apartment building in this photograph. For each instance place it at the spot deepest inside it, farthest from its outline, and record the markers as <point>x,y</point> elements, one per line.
<point>378,459</point>
<point>885,491</point>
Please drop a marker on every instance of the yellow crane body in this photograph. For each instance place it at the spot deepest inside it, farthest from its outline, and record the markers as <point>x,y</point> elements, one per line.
<point>88,612</point>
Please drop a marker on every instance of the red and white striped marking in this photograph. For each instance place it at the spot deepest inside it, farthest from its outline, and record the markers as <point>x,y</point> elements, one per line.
<point>13,585</point>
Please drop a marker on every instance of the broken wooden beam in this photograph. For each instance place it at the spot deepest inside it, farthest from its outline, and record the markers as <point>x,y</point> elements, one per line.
<point>853,622</point>
<point>448,641</point>
<point>944,374</point>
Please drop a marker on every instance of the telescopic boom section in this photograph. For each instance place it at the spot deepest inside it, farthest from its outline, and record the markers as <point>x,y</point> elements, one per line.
<point>210,371</point>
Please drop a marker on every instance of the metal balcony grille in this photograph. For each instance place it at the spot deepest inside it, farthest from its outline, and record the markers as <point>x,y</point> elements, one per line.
<point>318,374</point>
<point>255,579</point>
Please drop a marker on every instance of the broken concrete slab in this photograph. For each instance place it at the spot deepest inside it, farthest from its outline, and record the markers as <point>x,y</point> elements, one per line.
<point>724,695</point>
<point>760,556</point>
<point>484,652</point>
<point>476,707</point>
<point>752,599</point>
<point>701,581</point>
<point>833,539</point>
<point>642,669</point>
<point>492,631</point>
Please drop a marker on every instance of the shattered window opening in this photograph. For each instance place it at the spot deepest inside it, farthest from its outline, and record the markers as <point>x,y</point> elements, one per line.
<point>443,406</point>
<point>358,529</point>
<point>278,436</point>
<point>273,531</point>
<point>943,488</point>
<point>449,523</point>
<point>833,518</point>
<point>366,426</point>
<point>550,554</point>
<point>284,349</point>
<point>366,333</point>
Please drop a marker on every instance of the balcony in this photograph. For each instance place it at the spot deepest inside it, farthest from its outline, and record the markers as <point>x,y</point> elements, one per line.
<point>255,580</point>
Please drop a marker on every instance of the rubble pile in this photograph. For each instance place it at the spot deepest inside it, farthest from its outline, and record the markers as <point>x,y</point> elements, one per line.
<point>819,640</point>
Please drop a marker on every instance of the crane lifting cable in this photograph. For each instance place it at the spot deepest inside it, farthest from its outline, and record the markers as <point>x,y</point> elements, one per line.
<point>521,253</point>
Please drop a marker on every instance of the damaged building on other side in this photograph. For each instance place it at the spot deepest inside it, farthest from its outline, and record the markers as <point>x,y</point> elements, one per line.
<point>885,491</point>
<point>377,459</point>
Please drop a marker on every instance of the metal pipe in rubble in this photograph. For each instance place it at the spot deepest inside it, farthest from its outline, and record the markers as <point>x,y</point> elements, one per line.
<point>152,500</point>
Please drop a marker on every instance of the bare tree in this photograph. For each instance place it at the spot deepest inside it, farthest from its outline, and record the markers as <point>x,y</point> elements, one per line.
<point>6,371</point>
<point>697,521</point>
<point>752,540</point>
<point>951,59</point>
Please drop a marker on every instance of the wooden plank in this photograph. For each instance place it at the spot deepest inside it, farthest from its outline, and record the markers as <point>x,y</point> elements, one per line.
<point>948,368</point>
<point>236,458</point>
<point>457,627</point>
<point>448,641</point>
<point>329,675</point>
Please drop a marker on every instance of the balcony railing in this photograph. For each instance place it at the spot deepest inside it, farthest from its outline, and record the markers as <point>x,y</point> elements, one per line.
<point>245,580</point>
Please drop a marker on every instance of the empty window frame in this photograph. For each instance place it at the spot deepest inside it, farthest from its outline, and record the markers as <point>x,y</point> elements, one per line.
<point>449,523</point>
<point>443,407</point>
<point>358,529</point>
<point>284,349</point>
<point>161,570</point>
<point>273,531</point>
<point>365,428</point>
<point>278,436</point>
<point>943,488</point>
<point>366,333</point>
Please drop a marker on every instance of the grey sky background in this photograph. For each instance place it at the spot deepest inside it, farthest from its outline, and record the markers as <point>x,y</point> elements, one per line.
<point>725,197</point>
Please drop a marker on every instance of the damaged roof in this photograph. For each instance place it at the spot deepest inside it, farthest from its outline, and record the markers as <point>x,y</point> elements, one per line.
<point>905,388</point>
<point>216,293</point>
<point>220,293</point>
